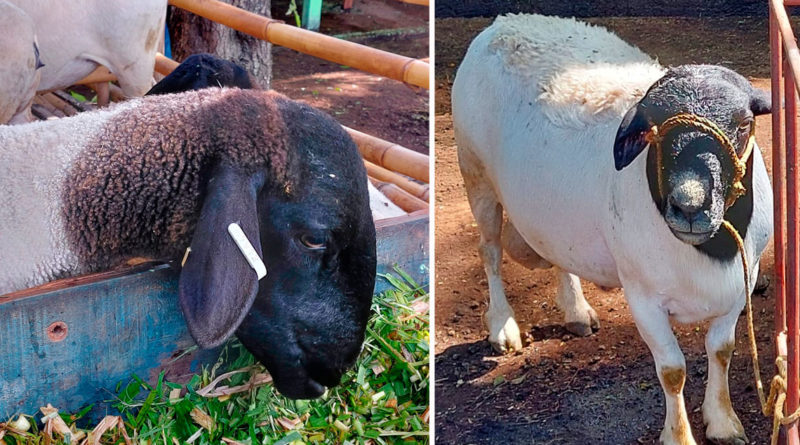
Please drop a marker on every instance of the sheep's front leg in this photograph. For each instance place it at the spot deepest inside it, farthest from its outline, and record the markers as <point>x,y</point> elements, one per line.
<point>722,424</point>
<point>653,324</point>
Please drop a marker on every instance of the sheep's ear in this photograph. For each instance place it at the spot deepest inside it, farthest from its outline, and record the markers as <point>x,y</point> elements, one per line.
<point>217,286</point>
<point>760,102</point>
<point>631,137</point>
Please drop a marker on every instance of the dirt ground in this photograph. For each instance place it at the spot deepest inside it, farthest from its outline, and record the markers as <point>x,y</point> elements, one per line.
<point>381,107</point>
<point>561,389</point>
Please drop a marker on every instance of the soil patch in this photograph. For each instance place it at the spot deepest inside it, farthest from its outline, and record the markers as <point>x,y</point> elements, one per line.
<point>381,107</point>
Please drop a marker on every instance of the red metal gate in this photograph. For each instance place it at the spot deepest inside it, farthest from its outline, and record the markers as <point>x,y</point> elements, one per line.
<point>785,62</point>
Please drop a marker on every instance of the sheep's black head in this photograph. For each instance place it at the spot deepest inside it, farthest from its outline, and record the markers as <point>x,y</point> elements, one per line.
<point>692,176</point>
<point>307,318</point>
<point>203,70</point>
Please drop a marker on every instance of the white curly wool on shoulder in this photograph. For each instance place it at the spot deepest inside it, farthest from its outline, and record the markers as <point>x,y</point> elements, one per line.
<point>584,74</point>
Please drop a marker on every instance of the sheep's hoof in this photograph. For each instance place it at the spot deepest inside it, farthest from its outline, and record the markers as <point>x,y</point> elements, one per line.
<point>579,329</point>
<point>507,339</point>
<point>584,329</point>
<point>762,283</point>
<point>738,440</point>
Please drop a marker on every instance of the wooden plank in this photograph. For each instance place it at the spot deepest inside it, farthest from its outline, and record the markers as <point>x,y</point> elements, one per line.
<point>70,343</point>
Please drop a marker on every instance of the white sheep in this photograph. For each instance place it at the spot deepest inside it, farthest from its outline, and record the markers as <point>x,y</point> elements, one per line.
<point>550,117</point>
<point>153,176</point>
<point>19,70</point>
<point>77,36</point>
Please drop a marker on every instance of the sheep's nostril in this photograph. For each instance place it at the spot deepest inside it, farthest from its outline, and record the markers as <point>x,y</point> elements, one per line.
<point>688,198</point>
<point>688,210</point>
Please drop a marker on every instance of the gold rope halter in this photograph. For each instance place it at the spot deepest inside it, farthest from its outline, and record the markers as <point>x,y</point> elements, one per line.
<point>657,135</point>
<point>773,403</point>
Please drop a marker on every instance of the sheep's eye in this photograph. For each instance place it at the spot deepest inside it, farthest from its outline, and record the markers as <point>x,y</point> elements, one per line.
<point>744,127</point>
<point>312,242</point>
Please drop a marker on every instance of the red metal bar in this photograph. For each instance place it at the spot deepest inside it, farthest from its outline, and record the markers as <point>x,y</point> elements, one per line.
<point>778,172</point>
<point>792,295</point>
<point>785,57</point>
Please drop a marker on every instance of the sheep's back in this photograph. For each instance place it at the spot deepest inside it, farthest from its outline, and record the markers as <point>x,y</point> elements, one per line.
<point>579,74</point>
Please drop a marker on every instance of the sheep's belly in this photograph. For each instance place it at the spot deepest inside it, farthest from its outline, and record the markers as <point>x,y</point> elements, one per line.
<point>560,216</point>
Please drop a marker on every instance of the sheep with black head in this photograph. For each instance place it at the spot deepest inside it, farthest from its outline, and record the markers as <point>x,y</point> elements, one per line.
<point>619,171</point>
<point>153,176</point>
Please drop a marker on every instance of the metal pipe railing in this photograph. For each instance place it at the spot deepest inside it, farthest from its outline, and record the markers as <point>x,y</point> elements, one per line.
<point>785,70</point>
<point>371,60</point>
<point>778,172</point>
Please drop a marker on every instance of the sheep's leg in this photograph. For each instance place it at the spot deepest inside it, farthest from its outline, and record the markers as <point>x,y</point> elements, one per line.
<point>504,333</point>
<point>102,91</point>
<point>722,424</point>
<point>653,324</point>
<point>579,317</point>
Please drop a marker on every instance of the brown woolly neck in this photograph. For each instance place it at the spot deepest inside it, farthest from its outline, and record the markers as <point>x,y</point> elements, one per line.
<point>135,189</point>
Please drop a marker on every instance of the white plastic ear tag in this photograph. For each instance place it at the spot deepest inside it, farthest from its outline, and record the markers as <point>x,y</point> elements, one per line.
<point>247,250</point>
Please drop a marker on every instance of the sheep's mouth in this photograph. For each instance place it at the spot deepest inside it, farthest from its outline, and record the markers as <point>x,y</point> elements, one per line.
<point>693,238</point>
<point>300,386</point>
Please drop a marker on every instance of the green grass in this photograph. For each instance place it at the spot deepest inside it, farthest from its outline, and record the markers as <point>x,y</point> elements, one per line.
<point>383,400</point>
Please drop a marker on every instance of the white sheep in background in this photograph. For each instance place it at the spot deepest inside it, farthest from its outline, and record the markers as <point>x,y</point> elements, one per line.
<point>78,35</point>
<point>544,109</point>
<point>153,176</point>
<point>20,66</point>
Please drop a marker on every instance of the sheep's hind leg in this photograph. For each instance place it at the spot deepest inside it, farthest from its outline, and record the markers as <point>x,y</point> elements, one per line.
<point>579,317</point>
<point>722,424</point>
<point>653,324</point>
<point>504,333</point>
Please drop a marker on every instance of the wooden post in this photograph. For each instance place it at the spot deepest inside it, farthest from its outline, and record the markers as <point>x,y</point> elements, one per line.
<point>312,12</point>
<point>420,191</point>
<point>402,198</point>
<point>392,156</point>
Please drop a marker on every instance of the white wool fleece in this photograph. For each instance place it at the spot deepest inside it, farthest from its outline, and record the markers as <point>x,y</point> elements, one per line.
<point>34,161</point>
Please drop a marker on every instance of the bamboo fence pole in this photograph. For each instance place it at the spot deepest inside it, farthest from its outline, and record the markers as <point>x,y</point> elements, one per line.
<point>50,108</point>
<point>406,201</point>
<point>100,74</point>
<point>386,64</point>
<point>165,65</point>
<point>418,190</point>
<point>60,105</point>
<point>392,156</point>
<point>416,2</point>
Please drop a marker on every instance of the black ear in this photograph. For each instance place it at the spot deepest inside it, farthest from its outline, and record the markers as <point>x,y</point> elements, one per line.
<point>217,286</point>
<point>631,137</point>
<point>760,102</point>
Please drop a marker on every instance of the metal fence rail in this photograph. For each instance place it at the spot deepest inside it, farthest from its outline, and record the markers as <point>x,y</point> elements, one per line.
<point>785,70</point>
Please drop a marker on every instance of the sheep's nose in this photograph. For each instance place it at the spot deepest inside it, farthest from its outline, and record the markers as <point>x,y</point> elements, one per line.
<point>688,198</point>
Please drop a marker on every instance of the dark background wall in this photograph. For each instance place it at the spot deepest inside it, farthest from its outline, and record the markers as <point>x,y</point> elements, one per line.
<point>600,8</point>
